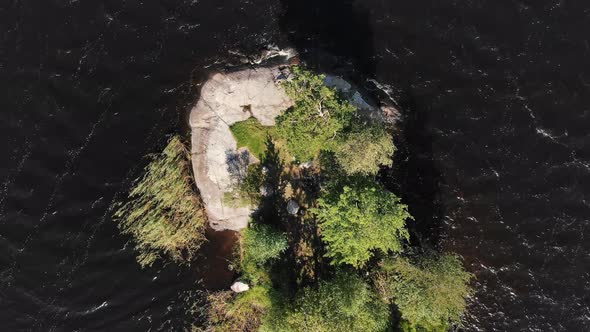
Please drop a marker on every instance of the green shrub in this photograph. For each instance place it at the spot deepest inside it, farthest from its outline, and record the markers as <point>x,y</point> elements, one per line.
<point>250,186</point>
<point>228,312</point>
<point>405,326</point>
<point>261,244</point>
<point>163,213</point>
<point>429,294</point>
<point>364,149</point>
<point>360,219</point>
<point>345,303</point>
<point>247,192</point>
<point>317,117</point>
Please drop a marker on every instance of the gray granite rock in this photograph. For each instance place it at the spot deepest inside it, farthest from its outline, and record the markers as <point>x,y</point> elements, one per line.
<point>227,98</point>
<point>292,207</point>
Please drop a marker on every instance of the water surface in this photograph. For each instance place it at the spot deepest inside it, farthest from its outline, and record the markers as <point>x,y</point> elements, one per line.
<point>495,145</point>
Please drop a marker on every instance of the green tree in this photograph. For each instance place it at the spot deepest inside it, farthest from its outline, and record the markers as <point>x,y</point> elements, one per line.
<point>359,220</point>
<point>317,117</point>
<point>261,244</point>
<point>345,303</point>
<point>430,294</point>
<point>363,150</point>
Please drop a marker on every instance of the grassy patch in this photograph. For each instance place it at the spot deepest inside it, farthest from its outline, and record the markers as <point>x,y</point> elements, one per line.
<point>163,213</point>
<point>252,134</point>
<point>242,312</point>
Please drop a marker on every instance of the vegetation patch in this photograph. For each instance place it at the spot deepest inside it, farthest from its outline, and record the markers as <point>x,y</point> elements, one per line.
<point>365,149</point>
<point>359,220</point>
<point>261,244</point>
<point>252,134</point>
<point>329,248</point>
<point>242,312</point>
<point>163,213</point>
<point>317,119</point>
<point>344,303</point>
<point>429,292</point>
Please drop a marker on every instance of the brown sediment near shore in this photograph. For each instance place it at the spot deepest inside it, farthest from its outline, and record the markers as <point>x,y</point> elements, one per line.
<point>217,254</point>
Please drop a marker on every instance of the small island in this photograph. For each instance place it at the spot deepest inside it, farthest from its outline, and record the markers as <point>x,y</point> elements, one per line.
<point>291,159</point>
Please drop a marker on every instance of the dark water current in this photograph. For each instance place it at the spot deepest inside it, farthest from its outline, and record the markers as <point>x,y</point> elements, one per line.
<point>495,147</point>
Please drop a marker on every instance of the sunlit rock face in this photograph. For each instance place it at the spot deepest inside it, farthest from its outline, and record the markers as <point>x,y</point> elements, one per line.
<point>227,98</point>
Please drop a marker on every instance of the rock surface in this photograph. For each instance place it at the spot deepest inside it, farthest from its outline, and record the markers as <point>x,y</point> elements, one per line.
<point>365,106</point>
<point>227,98</point>
<point>292,207</point>
<point>239,287</point>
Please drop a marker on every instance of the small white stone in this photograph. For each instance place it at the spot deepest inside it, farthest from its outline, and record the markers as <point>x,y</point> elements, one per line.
<point>239,287</point>
<point>307,164</point>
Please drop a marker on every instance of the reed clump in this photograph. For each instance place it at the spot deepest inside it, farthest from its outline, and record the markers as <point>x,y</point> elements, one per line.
<point>163,212</point>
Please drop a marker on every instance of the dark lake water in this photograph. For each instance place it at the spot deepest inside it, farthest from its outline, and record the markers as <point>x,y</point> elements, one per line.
<point>495,146</point>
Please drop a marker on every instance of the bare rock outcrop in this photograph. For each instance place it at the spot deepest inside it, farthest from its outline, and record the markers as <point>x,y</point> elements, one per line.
<point>365,106</point>
<point>227,98</point>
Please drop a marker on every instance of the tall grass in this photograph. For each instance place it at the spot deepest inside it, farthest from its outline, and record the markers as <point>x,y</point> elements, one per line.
<point>163,213</point>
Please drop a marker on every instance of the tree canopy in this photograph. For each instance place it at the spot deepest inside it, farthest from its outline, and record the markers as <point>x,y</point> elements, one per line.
<point>345,303</point>
<point>359,220</point>
<point>261,244</point>
<point>317,117</point>
<point>363,150</point>
<point>429,293</point>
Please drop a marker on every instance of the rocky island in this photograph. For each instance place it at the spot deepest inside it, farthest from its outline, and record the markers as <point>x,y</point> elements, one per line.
<point>228,98</point>
<point>291,159</point>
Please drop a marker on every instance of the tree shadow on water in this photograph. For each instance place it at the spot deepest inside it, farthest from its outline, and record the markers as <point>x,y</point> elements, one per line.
<point>331,35</point>
<point>338,36</point>
<point>415,176</point>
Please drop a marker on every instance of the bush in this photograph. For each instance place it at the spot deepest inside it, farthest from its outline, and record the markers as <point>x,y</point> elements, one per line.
<point>261,244</point>
<point>429,294</point>
<point>363,150</point>
<point>229,312</point>
<point>163,213</point>
<point>317,117</point>
<point>345,303</point>
<point>360,219</point>
<point>247,192</point>
<point>250,186</point>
